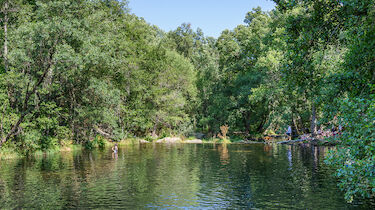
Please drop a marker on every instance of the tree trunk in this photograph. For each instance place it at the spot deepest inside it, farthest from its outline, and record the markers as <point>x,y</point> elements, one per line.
<point>296,125</point>
<point>155,128</point>
<point>5,21</point>
<point>313,120</point>
<point>246,121</point>
<point>261,124</point>
<point>294,120</point>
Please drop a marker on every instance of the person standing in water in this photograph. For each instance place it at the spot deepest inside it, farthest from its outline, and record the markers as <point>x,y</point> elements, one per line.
<point>115,148</point>
<point>289,132</point>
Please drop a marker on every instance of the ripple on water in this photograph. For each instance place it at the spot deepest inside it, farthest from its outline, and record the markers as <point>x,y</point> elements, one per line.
<point>175,176</point>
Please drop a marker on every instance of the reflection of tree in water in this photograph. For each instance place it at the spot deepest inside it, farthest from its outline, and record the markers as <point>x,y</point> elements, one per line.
<point>224,155</point>
<point>19,182</point>
<point>115,155</point>
<point>267,148</point>
<point>290,157</point>
<point>172,176</point>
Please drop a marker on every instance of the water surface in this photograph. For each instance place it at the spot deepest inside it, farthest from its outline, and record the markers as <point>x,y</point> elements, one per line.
<point>175,176</point>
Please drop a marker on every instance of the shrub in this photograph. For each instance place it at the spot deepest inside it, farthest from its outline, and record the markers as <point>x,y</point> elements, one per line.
<point>224,130</point>
<point>355,157</point>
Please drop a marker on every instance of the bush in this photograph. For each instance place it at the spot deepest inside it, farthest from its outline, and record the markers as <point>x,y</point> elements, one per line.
<point>149,138</point>
<point>9,151</point>
<point>355,157</point>
<point>97,142</point>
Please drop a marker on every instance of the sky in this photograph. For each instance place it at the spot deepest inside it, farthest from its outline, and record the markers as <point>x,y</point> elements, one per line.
<point>212,16</point>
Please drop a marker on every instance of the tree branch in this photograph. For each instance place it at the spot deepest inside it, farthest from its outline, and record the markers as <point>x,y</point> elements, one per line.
<point>25,111</point>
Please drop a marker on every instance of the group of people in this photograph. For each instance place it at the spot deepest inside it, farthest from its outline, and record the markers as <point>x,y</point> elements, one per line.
<point>334,131</point>
<point>320,134</point>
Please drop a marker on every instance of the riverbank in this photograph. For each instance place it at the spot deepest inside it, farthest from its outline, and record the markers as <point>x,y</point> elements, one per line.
<point>10,152</point>
<point>170,140</point>
<point>7,153</point>
<point>315,142</point>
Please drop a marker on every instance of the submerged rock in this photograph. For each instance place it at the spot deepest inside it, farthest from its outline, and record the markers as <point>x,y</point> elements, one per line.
<point>169,140</point>
<point>194,141</point>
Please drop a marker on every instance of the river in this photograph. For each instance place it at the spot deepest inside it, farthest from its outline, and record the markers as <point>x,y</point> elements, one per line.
<point>175,176</point>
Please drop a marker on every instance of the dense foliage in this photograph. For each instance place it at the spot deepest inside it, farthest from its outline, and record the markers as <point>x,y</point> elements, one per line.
<point>73,70</point>
<point>76,69</point>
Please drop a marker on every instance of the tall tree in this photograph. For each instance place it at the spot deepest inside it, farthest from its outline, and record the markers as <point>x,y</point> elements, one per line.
<point>311,26</point>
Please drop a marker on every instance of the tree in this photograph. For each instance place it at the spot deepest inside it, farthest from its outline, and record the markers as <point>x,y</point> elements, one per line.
<point>354,103</point>
<point>310,28</point>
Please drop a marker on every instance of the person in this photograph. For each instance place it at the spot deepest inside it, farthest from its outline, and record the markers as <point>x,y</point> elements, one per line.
<point>320,133</point>
<point>289,132</point>
<point>333,130</point>
<point>115,148</point>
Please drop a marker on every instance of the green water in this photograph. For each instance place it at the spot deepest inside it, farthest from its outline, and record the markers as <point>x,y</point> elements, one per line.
<point>175,176</point>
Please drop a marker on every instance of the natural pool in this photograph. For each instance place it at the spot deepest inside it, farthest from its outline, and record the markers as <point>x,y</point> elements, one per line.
<point>175,176</point>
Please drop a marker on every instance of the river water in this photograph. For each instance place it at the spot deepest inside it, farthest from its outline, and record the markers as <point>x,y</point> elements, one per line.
<point>201,176</point>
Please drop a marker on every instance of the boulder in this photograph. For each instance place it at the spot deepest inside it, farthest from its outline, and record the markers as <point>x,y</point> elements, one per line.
<point>194,141</point>
<point>142,141</point>
<point>169,140</point>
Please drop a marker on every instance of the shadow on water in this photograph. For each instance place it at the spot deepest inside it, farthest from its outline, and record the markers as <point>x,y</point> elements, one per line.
<point>175,175</point>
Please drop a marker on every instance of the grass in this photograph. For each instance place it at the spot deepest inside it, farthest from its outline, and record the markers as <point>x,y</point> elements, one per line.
<point>128,141</point>
<point>71,147</point>
<point>10,152</point>
<point>46,152</point>
<point>7,153</point>
<point>217,140</point>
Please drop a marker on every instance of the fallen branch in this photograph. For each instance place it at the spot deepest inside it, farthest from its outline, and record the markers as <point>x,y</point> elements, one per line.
<point>291,141</point>
<point>103,133</point>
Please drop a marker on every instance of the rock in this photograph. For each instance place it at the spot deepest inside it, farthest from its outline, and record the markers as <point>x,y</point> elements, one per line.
<point>142,141</point>
<point>249,142</point>
<point>199,135</point>
<point>194,141</point>
<point>169,140</point>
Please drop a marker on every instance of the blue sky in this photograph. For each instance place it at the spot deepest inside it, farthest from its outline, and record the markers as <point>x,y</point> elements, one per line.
<point>212,16</point>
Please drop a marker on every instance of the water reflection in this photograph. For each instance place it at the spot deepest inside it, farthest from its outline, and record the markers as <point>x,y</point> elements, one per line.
<point>268,149</point>
<point>289,154</point>
<point>114,155</point>
<point>224,155</point>
<point>174,176</point>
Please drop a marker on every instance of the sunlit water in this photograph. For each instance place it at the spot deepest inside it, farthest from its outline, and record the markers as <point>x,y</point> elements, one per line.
<point>175,176</point>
